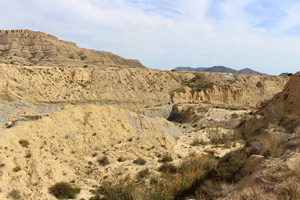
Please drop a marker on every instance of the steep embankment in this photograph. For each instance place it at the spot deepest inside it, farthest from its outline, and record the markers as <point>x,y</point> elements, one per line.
<point>67,146</point>
<point>26,47</point>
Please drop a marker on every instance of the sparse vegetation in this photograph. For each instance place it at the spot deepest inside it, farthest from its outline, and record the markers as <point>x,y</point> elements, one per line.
<point>273,144</point>
<point>121,159</point>
<point>139,161</point>
<point>63,190</point>
<point>123,191</point>
<point>143,173</point>
<point>28,155</point>
<point>96,197</point>
<point>174,182</point>
<point>15,194</point>
<point>216,136</point>
<point>24,143</point>
<point>103,161</point>
<point>168,168</point>
<point>166,158</point>
<point>17,168</point>
<point>198,142</point>
<point>202,109</point>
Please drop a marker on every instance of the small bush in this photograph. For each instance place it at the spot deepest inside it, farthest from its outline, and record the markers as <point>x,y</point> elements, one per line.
<point>168,168</point>
<point>273,145</point>
<point>202,109</point>
<point>121,159</point>
<point>24,143</point>
<point>139,161</point>
<point>96,197</point>
<point>94,154</point>
<point>122,191</point>
<point>63,190</point>
<point>16,169</point>
<point>198,142</point>
<point>15,194</point>
<point>166,158</point>
<point>143,173</point>
<point>103,161</point>
<point>28,155</point>
<point>216,137</point>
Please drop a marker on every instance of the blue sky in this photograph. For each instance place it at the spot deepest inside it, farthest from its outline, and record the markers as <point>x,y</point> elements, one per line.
<point>260,34</point>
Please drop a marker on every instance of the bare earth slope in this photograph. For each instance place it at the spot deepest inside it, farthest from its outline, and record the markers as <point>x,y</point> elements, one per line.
<point>28,47</point>
<point>66,146</point>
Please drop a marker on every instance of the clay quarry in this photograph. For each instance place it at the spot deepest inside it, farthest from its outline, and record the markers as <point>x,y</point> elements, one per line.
<point>84,124</point>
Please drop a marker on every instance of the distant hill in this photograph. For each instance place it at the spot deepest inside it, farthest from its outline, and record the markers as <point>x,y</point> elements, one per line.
<point>26,47</point>
<point>220,69</point>
<point>286,74</point>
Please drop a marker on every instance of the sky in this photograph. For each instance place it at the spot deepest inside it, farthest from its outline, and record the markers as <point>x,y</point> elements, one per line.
<point>263,35</point>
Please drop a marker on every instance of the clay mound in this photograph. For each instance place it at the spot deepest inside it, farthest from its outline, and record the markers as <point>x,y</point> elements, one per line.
<point>26,47</point>
<point>65,146</point>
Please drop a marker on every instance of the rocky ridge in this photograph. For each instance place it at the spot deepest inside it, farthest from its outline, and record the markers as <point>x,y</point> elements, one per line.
<point>26,47</point>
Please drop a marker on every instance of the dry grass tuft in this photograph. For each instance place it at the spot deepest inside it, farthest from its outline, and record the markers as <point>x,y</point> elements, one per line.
<point>273,144</point>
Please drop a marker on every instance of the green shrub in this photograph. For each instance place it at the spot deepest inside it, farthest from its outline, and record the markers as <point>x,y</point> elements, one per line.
<point>166,158</point>
<point>121,191</point>
<point>198,142</point>
<point>63,190</point>
<point>168,168</point>
<point>96,197</point>
<point>143,173</point>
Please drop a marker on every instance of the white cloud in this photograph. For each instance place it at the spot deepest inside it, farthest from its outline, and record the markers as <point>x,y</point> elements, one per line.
<point>166,33</point>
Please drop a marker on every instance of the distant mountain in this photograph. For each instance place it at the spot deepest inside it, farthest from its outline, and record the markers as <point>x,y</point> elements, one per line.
<point>190,69</point>
<point>220,69</point>
<point>286,74</point>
